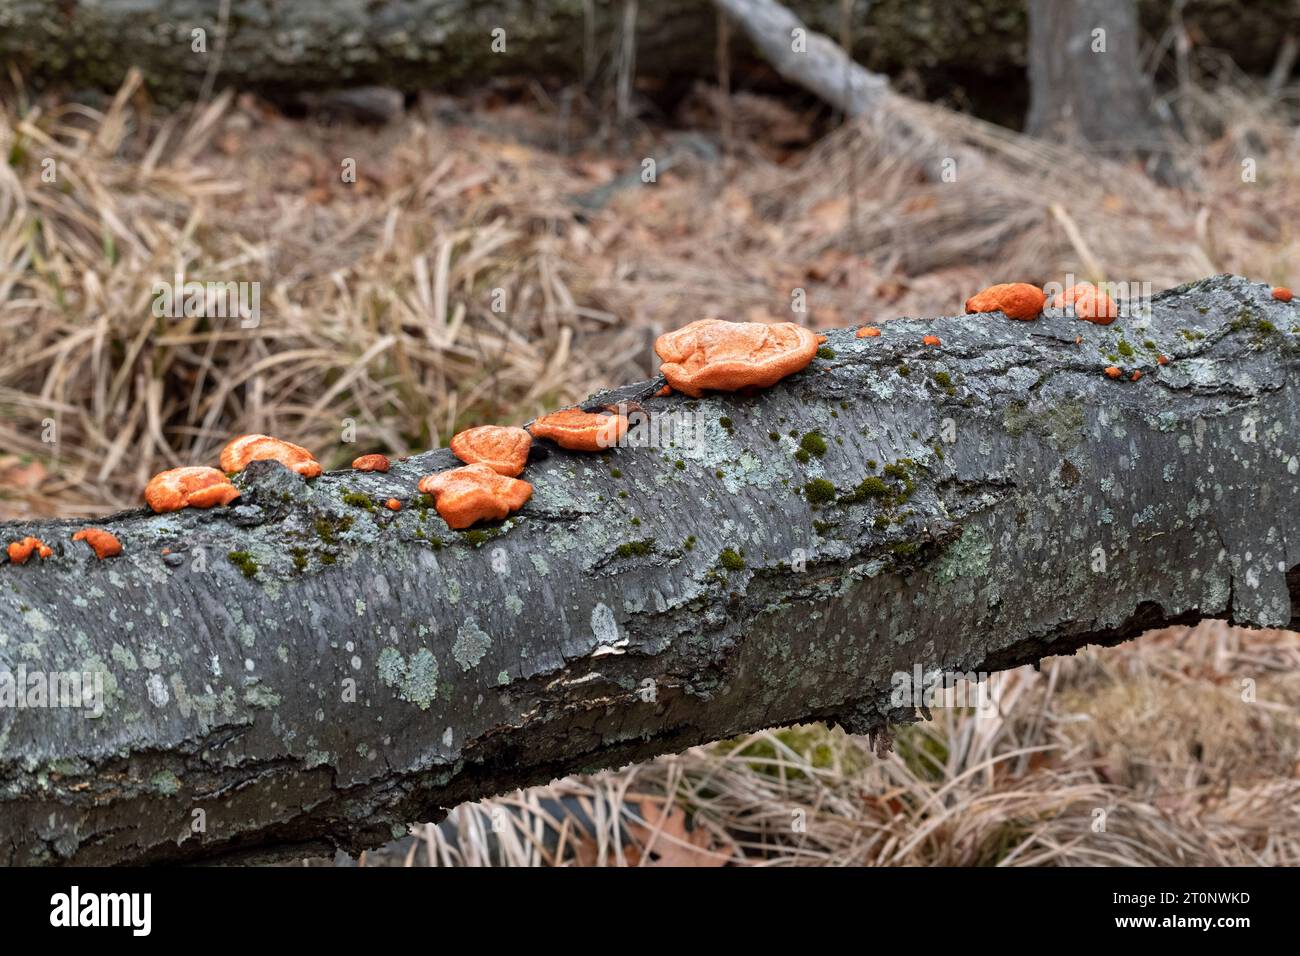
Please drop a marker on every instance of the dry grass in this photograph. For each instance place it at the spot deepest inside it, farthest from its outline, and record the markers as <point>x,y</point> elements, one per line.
<point>1144,754</point>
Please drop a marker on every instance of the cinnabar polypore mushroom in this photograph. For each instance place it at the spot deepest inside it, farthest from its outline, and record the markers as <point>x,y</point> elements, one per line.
<point>370,463</point>
<point>577,430</point>
<point>1090,303</point>
<point>191,487</point>
<point>1015,300</point>
<point>103,543</point>
<point>931,340</point>
<point>1282,294</point>
<point>20,551</point>
<point>240,452</point>
<point>729,356</point>
<point>503,448</point>
<point>474,493</point>
<point>868,332</point>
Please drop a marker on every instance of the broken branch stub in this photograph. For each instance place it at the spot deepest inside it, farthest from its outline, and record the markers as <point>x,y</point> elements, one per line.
<point>299,671</point>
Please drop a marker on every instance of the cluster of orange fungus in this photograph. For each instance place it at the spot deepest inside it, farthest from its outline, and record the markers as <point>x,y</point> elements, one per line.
<point>729,356</point>
<point>931,340</point>
<point>577,430</point>
<point>103,543</point>
<point>370,463</point>
<point>245,449</point>
<point>868,332</point>
<point>1015,300</point>
<point>1113,371</point>
<point>20,551</point>
<point>392,504</point>
<point>1282,294</point>
<point>503,448</point>
<point>1089,302</point>
<point>474,493</point>
<point>192,487</point>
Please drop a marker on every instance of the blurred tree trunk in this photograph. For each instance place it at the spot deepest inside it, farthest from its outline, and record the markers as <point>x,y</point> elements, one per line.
<point>1086,86</point>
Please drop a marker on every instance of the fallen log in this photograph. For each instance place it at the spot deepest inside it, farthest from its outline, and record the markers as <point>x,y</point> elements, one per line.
<point>282,48</point>
<point>302,670</point>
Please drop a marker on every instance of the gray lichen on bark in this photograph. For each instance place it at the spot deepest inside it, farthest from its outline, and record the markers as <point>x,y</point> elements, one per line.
<point>978,505</point>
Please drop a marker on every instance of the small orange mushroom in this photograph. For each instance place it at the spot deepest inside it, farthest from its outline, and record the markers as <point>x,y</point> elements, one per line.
<point>1161,360</point>
<point>370,463</point>
<point>503,448</point>
<point>1135,376</point>
<point>868,332</point>
<point>103,543</point>
<point>1113,371</point>
<point>1282,294</point>
<point>20,551</point>
<point>474,493</point>
<point>192,487</point>
<point>392,504</point>
<point>729,356</point>
<point>1089,302</point>
<point>240,452</point>
<point>931,340</point>
<point>577,430</point>
<point>1015,300</point>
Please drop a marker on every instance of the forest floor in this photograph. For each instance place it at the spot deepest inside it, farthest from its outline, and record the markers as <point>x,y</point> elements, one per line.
<point>497,257</point>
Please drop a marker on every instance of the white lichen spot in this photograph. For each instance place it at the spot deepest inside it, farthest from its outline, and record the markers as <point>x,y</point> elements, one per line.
<point>157,688</point>
<point>603,625</point>
<point>471,644</point>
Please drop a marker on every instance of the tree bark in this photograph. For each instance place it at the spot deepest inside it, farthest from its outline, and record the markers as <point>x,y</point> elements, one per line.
<point>1086,85</point>
<point>411,45</point>
<point>979,505</point>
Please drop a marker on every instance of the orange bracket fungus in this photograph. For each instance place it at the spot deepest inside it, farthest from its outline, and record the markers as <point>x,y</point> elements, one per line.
<point>1089,302</point>
<point>103,543</point>
<point>729,356</point>
<point>931,340</point>
<point>474,493</point>
<point>20,551</point>
<point>577,430</point>
<point>1015,300</point>
<point>868,332</point>
<point>192,487</point>
<point>245,449</point>
<point>503,448</point>
<point>370,463</point>
<point>1282,294</point>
